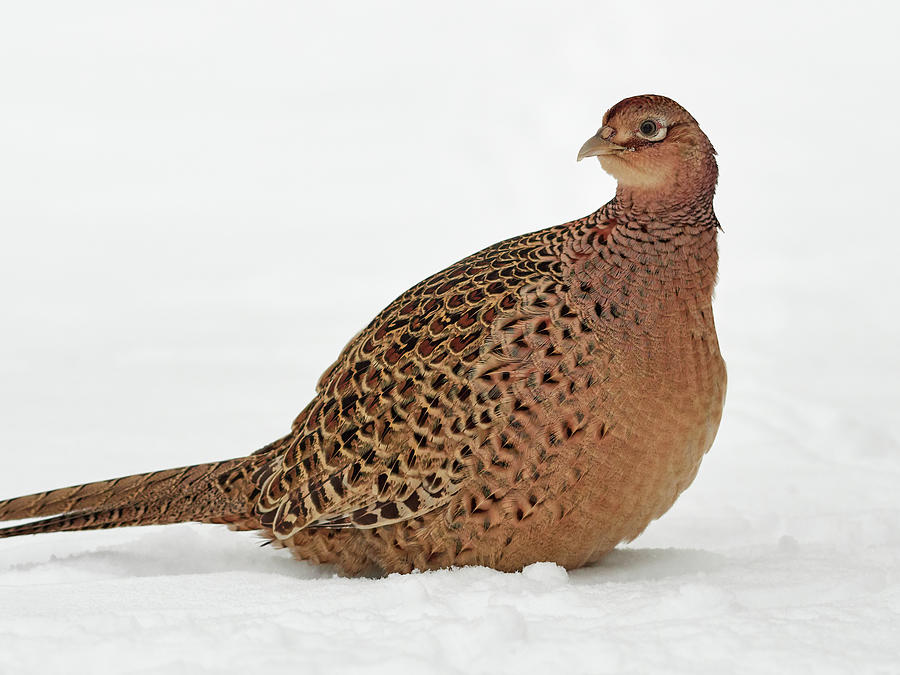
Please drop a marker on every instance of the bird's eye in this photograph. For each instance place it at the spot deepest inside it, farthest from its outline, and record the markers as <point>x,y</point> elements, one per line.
<point>652,130</point>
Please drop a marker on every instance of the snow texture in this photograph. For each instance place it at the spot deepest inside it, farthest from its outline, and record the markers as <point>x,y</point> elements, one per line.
<point>202,201</point>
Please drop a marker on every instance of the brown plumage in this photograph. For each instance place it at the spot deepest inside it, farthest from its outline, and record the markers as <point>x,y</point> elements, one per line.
<point>541,400</point>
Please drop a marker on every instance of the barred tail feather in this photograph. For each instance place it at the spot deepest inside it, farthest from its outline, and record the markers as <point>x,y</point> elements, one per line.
<point>218,492</point>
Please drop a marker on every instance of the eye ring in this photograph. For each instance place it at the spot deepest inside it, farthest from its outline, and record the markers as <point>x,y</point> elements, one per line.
<point>652,130</point>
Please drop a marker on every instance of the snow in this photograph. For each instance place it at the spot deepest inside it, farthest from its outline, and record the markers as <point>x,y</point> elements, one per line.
<point>203,201</point>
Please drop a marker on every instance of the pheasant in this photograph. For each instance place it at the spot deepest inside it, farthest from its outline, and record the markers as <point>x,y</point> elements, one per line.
<point>543,399</point>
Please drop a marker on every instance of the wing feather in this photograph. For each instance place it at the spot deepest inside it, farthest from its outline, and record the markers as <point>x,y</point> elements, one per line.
<point>406,412</point>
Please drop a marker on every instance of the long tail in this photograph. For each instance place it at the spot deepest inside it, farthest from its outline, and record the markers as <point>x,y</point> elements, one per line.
<point>219,492</point>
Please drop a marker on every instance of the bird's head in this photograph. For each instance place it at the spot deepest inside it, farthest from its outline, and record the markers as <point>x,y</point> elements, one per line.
<point>656,151</point>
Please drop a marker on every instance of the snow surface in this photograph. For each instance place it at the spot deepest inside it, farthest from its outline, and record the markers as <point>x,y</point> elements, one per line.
<point>202,201</point>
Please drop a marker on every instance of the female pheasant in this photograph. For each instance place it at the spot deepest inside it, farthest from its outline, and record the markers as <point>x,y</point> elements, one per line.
<point>541,400</point>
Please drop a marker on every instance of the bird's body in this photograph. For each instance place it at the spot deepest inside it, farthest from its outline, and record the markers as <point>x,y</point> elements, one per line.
<point>542,399</point>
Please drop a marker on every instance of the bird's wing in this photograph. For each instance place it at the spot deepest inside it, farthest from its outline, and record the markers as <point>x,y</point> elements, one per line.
<point>392,431</point>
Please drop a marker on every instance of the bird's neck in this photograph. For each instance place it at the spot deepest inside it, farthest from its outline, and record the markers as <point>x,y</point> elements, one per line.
<point>656,205</point>
<point>650,260</point>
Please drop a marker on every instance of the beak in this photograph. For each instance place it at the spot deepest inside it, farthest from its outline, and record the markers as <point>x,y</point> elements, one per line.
<point>597,145</point>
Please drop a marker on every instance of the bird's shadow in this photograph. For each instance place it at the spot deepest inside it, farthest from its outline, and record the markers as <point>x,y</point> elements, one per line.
<point>193,550</point>
<point>170,551</point>
<point>648,564</point>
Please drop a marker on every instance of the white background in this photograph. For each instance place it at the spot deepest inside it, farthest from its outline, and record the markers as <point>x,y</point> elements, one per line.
<point>200,202</point>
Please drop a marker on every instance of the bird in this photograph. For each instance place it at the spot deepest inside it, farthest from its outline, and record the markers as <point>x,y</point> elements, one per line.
<point>541,400</point>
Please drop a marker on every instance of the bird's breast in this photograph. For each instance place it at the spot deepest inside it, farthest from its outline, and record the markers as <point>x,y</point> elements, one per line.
<point>656,387</point>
